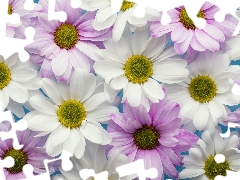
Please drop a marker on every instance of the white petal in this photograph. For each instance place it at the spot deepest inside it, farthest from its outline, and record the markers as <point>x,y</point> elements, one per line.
<point>42,122</point>
<point>119,83</point>
<point>119,25</point>
<point>94,101</point>
<point>23,74</point>
<point>189,173</point>
<point>64,90</point>
<point>16,108</point>
<point>201,117</point>
<point>43,106</point>
<point>89,85</point>
<point>228,98</point>
<point>77,84</point>
<point>153,89</point>
<point>214,107</point>
<point>109,69</point>
<point>133,93</point>
<point>17,92</point>
<point>101,114</point>
<point>12,60</point>
<point>51,89</point>
<point>91,50</point>
<point>59,135</point>
<point>4,98</point>
<point>60,63</point>
<point>123,49</point>
<point>92,133</point>
<point>72,141</point>
<point>110,94</point>
<point>139,39</point>
<point>80,149</point>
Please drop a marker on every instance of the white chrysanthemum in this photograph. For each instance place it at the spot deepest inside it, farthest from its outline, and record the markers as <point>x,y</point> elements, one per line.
<point>136,63</point>
<point>200,163</point>
<point>232,47</point>
<point>72,115</point>
<point>105,18</point>
<point>204,93</point>
<point>95,158</point>
<point>16,80</point>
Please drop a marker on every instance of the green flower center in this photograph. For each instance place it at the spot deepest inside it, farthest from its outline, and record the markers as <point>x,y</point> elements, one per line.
<point>66,36</point>
<point>71,113</point>
<point>5,75</point>
<point>202,89</point>
<point>146,138</point>
<point>20,159</point>
<point>10,10</point>
<point>187,21</point>
<point>213,169</point>
<point>138,69</point>
<point>127,5</point>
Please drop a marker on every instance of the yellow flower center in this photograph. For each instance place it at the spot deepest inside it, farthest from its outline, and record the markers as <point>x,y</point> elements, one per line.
<point>202,89</point>
<point>138,69</point>
<point>66,36</point>
<point>146,138</point>
<point>187,21</point>
<point>213,169</point>
<point>5,75</point>
<point>71,114</point>
<point>127,5</point>
<point>10,10</point>
<point>20,159</point>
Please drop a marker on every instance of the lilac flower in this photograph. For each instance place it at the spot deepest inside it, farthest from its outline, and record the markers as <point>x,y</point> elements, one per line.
<point>31,153</point>
<point>59,46</point>
<point>186,36</point>
<point>154,136</point>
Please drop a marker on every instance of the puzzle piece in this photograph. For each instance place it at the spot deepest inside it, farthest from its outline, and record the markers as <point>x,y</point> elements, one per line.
<point>192,8</point>
<point>16,126</point>
<point>12,45</point>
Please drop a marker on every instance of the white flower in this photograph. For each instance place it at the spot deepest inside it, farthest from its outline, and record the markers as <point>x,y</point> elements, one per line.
<point>232,47</point>
<point>200,163</point>
<point>16,80</point>
<point>95,158</point>
<point>136,63</point>
<point>204,93</point>
<point>105,18</point>
<point>72,115</point>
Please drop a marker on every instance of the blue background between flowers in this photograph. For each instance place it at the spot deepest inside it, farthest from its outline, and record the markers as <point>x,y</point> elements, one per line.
<point>198,133</point>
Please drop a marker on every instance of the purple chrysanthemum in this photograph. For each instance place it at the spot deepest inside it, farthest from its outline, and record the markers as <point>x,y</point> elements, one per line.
<point>186,36</point>
<point>59,46</point>
<point>31,153</point>
<point>154,136</point>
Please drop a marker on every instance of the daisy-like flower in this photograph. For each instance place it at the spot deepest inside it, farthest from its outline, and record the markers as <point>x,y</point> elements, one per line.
<point>70,114</point>
<point>185,34</point>
<point>204,94</point>
<point>27,18</point>
<point>154,136</point>
<point>232,47</point>
<point>95,158</point>
<point>32,153</point>
<point>16,79</point>
<point>200,163</point>
<point>125,17</point>
<point>59,46</point>
<point>136,63</point>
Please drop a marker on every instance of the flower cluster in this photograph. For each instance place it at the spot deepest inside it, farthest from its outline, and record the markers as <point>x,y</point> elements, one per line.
<point>113,88</point>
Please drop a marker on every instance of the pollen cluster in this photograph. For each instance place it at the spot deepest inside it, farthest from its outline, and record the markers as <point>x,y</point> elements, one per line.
<point>213,169</point>
<point>138,69</point>
<point>71,113</point>
<point>5,75</point>
<point>126,5</point>
<point>202,89</point>
<point>66,36</point>
<point>10,10</point>
<point>146,138</point>
<point>20,159</point>
<point>187,21</point>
